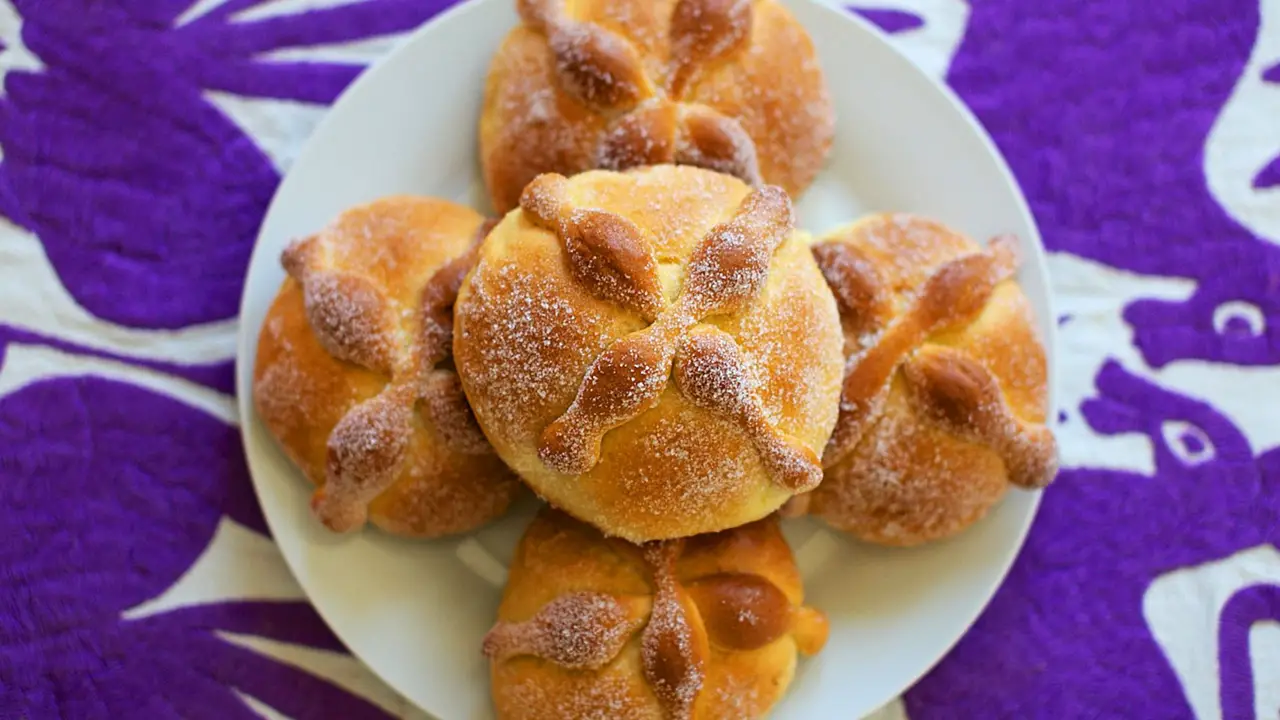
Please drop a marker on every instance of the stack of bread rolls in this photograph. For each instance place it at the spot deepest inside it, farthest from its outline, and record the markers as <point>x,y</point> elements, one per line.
<point>647,341</point>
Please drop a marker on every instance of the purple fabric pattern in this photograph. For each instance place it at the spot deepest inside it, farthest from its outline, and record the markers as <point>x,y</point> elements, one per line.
<point>146,199</point>
<point>217,375</point>
<point>1065,637</point>
<point>1110,154</point>
<point>90,535</point>
<point>1246,608</point>
<point>889,20</point>
<point>1234,318</point>
<point>1269,175</point>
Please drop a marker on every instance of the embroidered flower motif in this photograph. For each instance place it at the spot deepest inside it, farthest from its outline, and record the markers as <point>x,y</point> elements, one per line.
<point>146,199</point>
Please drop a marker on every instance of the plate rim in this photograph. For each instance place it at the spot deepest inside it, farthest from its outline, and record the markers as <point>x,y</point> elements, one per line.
<point>1049,338</point>
<point>1038,261</point>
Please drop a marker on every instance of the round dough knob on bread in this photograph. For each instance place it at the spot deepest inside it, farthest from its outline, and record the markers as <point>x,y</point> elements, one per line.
<point>946,388</point>
<point>353,376</point>
<point>655,352</point>
<point>693,629</point>
<point>730,85</point>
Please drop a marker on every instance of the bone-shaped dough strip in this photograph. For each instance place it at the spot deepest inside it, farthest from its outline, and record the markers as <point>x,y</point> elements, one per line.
<point>578,631</point>
<point>608,254</point>
<point>964,397</point>
<point>672,658</point>
<point>711,372</point>
<point>954,292</point>
<point>727,270</point>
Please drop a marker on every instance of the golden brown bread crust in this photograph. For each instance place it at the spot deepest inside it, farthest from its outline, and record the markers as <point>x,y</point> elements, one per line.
<point>654,352</point>
<point>352,374</point>
<point>731,85</point>
<point>945,391</point>
<point>693,629</point>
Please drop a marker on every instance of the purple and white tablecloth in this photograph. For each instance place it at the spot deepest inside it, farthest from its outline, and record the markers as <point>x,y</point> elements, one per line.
<point>142,140</point>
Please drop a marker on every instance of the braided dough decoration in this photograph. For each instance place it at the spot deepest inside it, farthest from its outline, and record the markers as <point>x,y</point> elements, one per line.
<point>945,388</point>
<point>706,627</point>
<point>655,352</point>
<point>353,376</point>
<point>729,85</point>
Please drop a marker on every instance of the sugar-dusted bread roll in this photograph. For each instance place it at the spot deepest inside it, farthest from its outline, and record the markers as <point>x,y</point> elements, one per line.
<point>945,392</point>
<point>695,629</point>
<point>732,85</point>
<point>353,375</point>
<point>654,352</point>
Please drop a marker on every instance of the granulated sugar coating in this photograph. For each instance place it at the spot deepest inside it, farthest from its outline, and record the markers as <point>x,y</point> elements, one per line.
<point>732,86</point>
<point>944,394</point>
<point>739,697</point>
<point>612,696</point>
<point>518,335</point>
<point>571,376</point>
<point>346,375</point>
<point>696,643</point>
<point>672,658</point>
<point>351,319</point>
<point>367,446</point>
<point>579,631</point>
<point>711,372</point>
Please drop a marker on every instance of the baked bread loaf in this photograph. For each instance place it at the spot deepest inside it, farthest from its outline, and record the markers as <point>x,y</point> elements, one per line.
<point>945,391</point>
<point>353,375</point>
<point>654,352</point>
<point>731,85</point>
<point>694,629</point>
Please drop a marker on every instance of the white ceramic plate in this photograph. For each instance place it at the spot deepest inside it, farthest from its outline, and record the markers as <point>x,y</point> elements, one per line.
<point>415,611</point>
